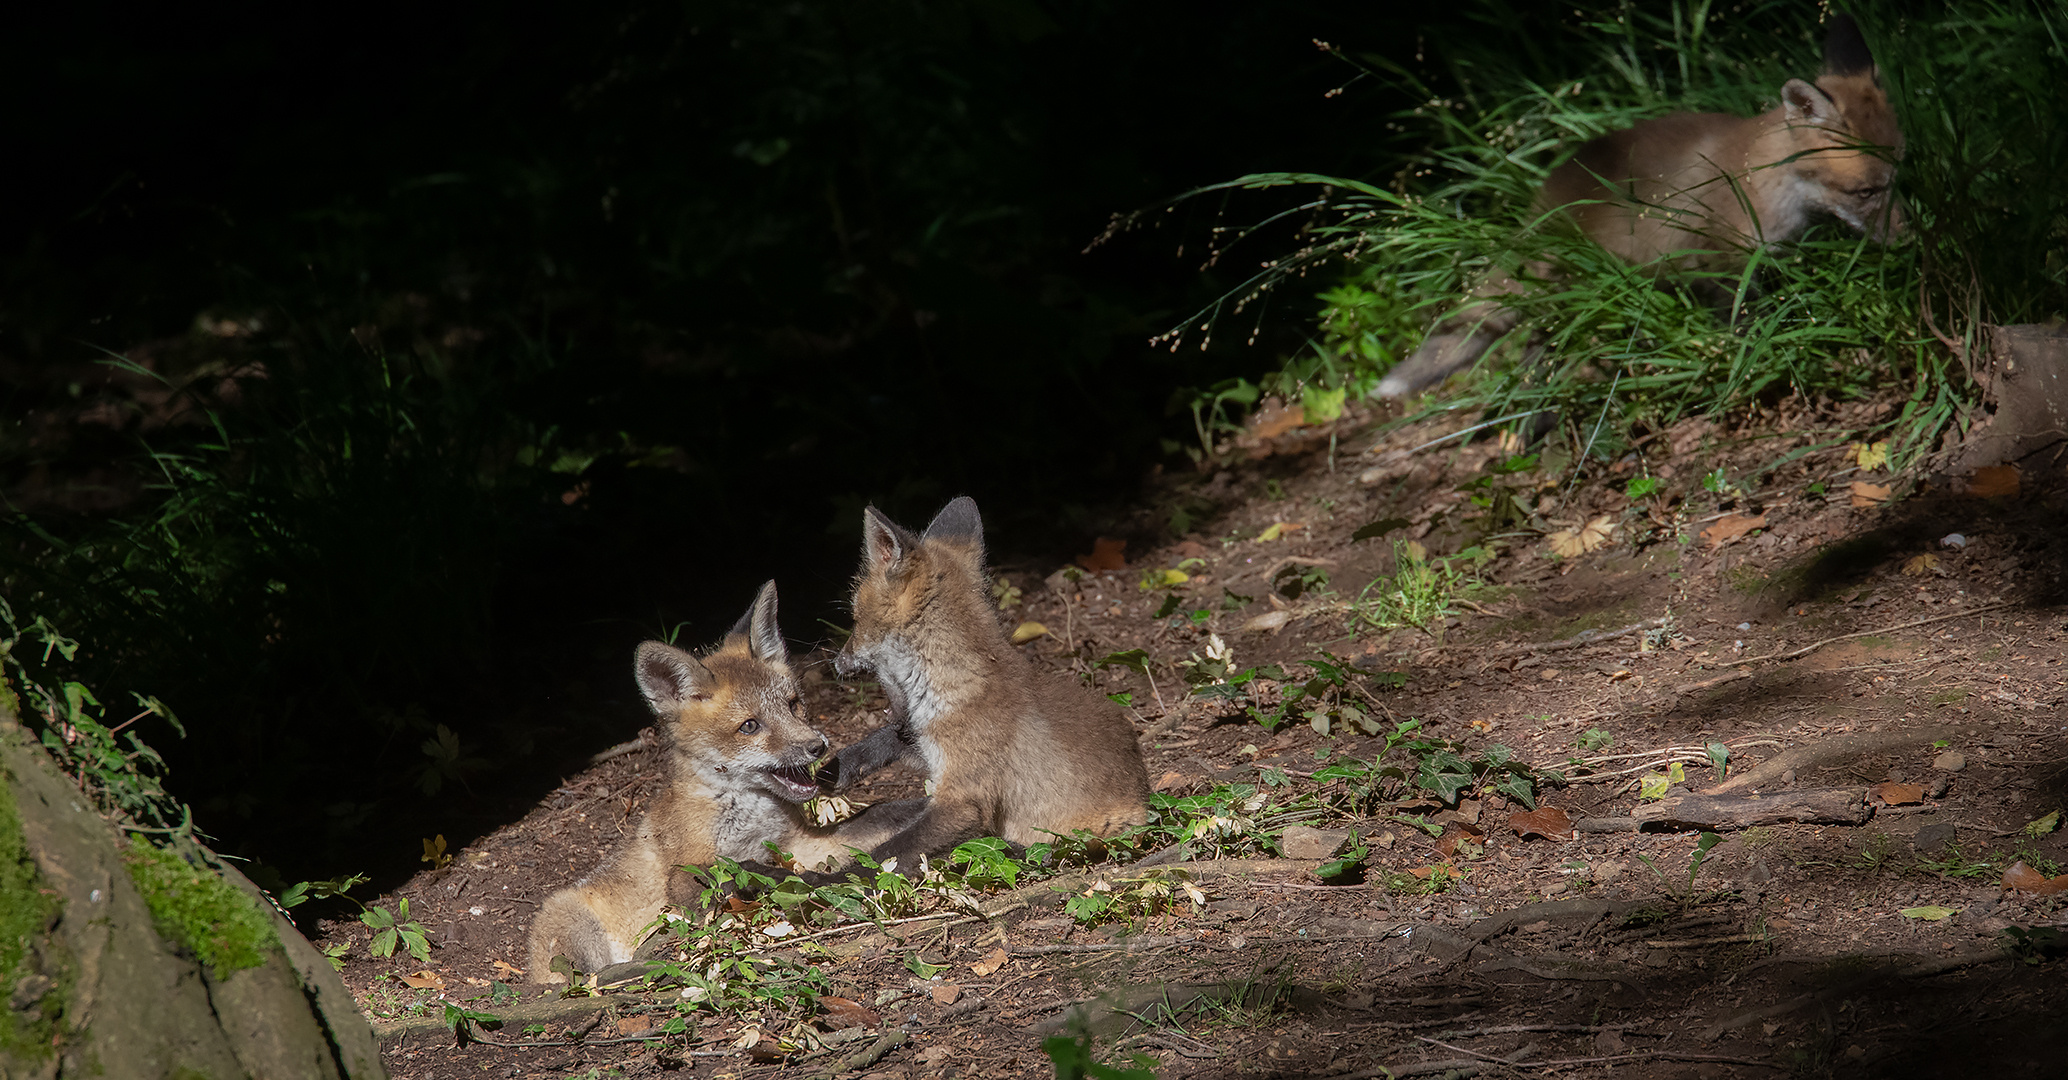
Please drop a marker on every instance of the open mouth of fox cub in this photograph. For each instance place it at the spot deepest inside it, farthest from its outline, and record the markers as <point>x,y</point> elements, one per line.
<point>793,782</point>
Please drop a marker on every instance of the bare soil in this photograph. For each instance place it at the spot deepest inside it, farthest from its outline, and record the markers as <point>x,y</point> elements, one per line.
<point>1586,953</point>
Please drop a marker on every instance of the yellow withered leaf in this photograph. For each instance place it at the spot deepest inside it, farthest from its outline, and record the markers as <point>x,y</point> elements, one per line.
<point>991,962</point>
<point>1277,529</point>
<point>1918,565</point>
<point>1027,631</point>
<point>507,969</point>
<point>1162,579</point>
<point>424,980</point>
<point>1570,543</point>
<point>1869,455</point>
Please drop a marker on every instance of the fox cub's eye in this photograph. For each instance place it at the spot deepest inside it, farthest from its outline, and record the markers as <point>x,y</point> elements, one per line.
<point>795,702</point>
<point>750,727</point>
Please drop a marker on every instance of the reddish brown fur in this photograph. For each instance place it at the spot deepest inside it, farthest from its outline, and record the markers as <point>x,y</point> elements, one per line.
<point>1011,752</point>
<point>1701,190</point>
<point>728,721</point>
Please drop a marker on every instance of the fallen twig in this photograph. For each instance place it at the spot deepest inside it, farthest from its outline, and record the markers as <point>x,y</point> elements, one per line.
<point>884,1044</point>
<point>1814,646</point>
<point>1579,640</point>
<point>1690,943</point>
<point>620,750</point>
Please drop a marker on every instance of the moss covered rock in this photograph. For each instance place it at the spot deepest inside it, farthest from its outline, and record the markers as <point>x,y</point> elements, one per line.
<point>141,963</point>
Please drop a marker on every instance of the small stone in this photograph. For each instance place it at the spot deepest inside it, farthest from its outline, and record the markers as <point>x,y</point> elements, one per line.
<point>1302,842</point>
<point>1607,873</point>
<point>1950,761</point>
<point>1931,838</point>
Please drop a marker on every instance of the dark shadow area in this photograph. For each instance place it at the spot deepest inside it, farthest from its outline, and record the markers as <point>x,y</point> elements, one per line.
<point>463,348</point>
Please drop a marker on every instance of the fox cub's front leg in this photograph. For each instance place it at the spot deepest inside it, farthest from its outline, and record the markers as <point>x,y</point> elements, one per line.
<point>884,746</point>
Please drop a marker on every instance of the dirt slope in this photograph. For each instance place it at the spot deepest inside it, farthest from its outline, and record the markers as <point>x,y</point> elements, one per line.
<point>1907,686</point>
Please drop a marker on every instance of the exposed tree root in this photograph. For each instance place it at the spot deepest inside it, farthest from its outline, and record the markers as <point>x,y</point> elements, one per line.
<point>1826,751</point>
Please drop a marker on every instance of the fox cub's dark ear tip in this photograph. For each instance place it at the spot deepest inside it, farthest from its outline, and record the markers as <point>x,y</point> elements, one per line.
<point>1845,50</point>
<point>958,520</point>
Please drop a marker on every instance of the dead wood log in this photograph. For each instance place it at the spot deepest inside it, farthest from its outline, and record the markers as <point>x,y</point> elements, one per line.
<point>1718,813</point>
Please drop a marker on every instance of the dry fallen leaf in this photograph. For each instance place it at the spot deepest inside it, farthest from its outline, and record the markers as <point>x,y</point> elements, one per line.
<point>946,994</point>
<point>1732,526</point>
<point>1994,481</point>
<point>633,1025</point>
<point>1270,620</point>
<point>1919,565</point>
<point>1171,780</point>
<point>1106,554</point>
<point>424,980</point>
<point>1549,822</point>
<point>472,981</point>
<point>1027,631</point>
<point>847,1013</point>
<point>1891,793</point>
<point>1866,494</point>
<point>2026,879</point>
<point>1574,542</point>
<point>1275,418</point>
<point>1277,529</point>
<point>508,970</point>
<point>991,962</point>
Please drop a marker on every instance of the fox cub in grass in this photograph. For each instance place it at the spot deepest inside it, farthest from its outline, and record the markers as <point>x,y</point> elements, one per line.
<point>739,760</point>
<point>1011,752</point>
<point>1706,188</point>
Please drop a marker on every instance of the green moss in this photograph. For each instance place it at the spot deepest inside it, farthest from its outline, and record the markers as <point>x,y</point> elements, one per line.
<point>27,962</point>
<point>200,912</point>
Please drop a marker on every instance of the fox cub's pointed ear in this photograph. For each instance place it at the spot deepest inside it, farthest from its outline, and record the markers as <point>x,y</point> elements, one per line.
<point>884,543</point>
<point>764,635</point>
<point>958,521</point>
<point>959,526</point>
<point>669,677</point>
<point>1805,101</point>
<point>1845,50</point>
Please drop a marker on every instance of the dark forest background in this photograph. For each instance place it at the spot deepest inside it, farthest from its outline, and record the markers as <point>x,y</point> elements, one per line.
<point>377,375</point>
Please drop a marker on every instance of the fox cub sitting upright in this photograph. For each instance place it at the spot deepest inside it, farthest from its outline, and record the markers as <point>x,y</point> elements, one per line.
<point>1706,189</point>
<point>1011,752</point>
<point>739,763</point>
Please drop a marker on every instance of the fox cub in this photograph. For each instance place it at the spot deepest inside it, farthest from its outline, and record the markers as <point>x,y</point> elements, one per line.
<point>739,761</point>
<point>1011,752</point>
<point>1706,188</point>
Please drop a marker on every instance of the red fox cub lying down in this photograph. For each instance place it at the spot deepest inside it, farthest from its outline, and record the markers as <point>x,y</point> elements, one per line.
<point>1706,188</point>
<point>739,758</point>
<point>1011,752</point>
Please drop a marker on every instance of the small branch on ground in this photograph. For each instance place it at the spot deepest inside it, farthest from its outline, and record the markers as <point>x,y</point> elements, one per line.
<point>1580,640</point>
<point>1813,647</point>
<point>1826,806</point>
<point>884,1044</point>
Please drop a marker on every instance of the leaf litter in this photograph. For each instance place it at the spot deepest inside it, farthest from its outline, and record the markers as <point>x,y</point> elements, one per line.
<point>1656,661</point>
